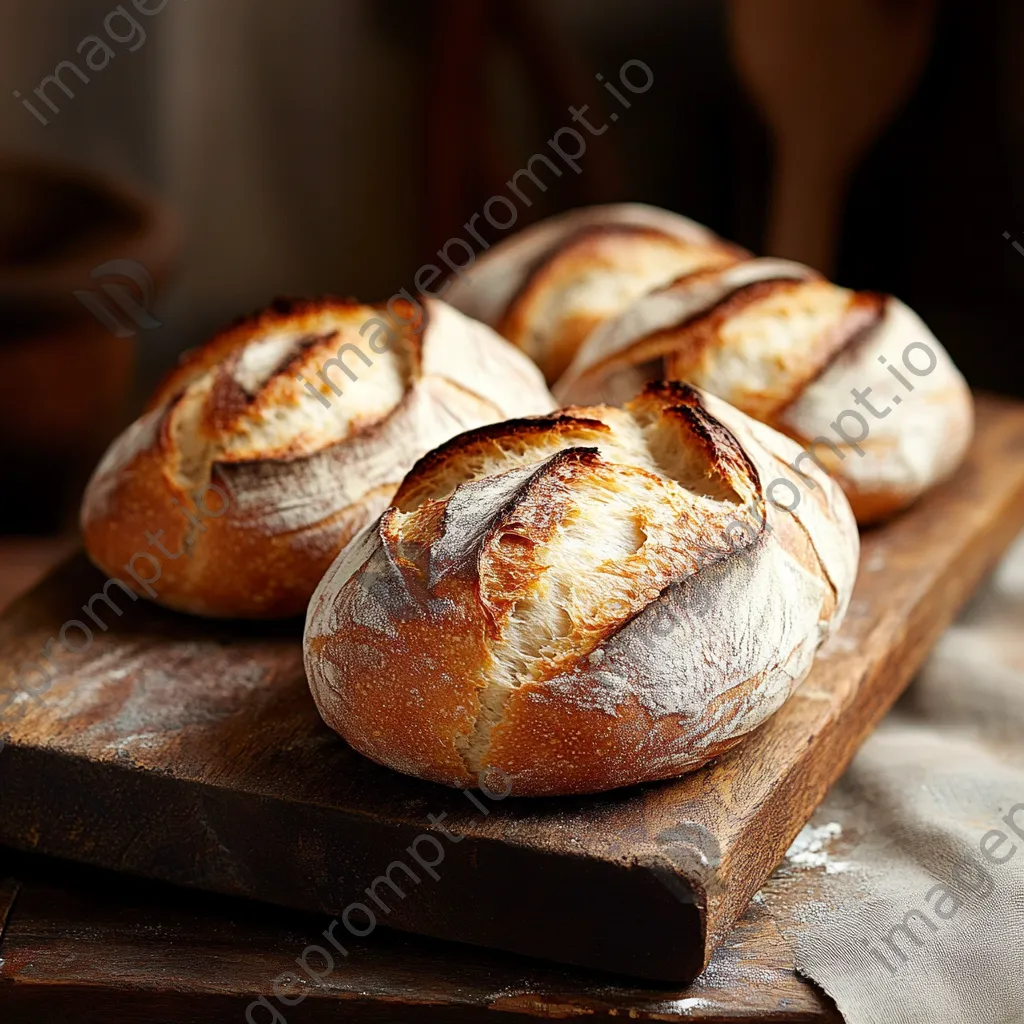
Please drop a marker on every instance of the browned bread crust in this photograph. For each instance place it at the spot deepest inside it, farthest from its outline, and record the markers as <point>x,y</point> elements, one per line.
<point>585,600</point>
<point>607,298</point>
<point>268,448</point>
<point>786,346</point>
<point>548,287</point>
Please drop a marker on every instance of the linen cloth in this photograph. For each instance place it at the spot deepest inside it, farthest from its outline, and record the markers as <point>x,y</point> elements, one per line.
<point>922,910</point>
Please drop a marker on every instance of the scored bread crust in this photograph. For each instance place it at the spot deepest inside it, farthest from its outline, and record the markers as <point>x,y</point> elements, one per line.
<point>784,345</point>
<point>546,288</point>
<point>585,600</point>
<point>251,485</point>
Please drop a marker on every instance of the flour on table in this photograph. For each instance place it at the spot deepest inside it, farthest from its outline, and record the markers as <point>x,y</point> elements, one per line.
<point>808,849</point>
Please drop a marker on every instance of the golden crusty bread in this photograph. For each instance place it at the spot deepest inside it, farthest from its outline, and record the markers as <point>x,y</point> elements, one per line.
<point>262,454</point>
<point>787,347</point>
<point>546,288</point>
<point>584,600</point>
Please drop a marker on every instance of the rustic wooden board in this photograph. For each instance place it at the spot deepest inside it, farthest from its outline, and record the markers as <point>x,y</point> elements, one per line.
<point>191,752</point>
<point>93,947</point>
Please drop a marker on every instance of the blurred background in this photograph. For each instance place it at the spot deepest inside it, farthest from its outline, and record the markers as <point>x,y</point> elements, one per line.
<point>224,152</point>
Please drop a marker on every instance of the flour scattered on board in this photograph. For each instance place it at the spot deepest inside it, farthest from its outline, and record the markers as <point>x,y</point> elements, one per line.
<point>876,562</point>
<point>808,849</point>
<point>685,1006</point>
<point>839,645</point>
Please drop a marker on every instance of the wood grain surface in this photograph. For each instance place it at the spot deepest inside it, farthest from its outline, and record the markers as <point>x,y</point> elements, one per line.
<point>96,948</point>
<point>191,752</point>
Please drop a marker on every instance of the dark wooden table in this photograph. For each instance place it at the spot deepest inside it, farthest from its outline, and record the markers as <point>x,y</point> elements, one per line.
<point>89,947</point>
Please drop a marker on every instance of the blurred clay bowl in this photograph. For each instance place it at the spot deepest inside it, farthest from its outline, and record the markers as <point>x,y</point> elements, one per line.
<point>65,377</point>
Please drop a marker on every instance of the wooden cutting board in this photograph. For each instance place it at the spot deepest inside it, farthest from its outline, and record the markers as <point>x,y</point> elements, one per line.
<point>191,752</point>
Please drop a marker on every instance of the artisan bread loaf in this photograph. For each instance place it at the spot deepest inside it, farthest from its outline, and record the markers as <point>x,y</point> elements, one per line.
<point>584,600</point>
<point>856,378</point>
<point>547,287</point>
<point>269,447</point>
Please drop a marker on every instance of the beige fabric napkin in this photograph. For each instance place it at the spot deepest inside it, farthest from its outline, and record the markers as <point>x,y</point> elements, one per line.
<point>922,910</point>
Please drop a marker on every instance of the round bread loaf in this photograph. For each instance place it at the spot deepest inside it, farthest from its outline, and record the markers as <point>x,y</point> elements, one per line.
<point>585,600</point>
<point>856,378</point>
<point>546,288</point>
<point>269,447</point>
